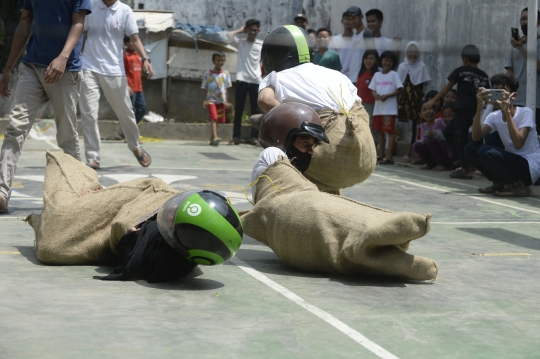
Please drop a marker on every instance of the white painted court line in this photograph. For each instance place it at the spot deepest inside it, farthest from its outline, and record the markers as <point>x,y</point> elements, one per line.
<point>52,145</point>
<point>459,223</point>
<point>459,194</point>
<point>336,323</point>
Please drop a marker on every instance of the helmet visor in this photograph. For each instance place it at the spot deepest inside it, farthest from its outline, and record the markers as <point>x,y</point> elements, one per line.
<point>315,131</point>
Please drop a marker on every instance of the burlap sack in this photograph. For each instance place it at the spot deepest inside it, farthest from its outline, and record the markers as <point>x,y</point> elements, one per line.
<point>350,157</point>
<point>320,232</point>
<point>82,222</point>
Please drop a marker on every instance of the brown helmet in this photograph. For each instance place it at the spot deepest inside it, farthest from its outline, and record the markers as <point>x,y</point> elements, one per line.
<point>287,120</point>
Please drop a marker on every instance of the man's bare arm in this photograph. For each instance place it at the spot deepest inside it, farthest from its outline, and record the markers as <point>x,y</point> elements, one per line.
<point>58,66</point>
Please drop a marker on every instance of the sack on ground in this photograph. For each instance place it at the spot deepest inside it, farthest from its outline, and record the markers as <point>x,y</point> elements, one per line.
<point>320,232</point>
<point>350,157</point>
<point>82,222</point>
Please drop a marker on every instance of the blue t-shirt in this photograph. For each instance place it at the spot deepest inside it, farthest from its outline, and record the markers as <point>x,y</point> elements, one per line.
<point>52,23</point>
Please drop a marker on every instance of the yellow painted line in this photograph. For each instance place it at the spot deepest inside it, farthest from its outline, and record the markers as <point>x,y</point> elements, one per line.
<point>17,185</point>
<point>503,254</point>
<point>8,252</point>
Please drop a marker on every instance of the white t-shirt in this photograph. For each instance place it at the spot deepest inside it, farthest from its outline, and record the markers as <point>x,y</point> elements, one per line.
<point>248,67</point>
<point>266,158</point>
<point>104,46</point>
<point>383,44</point>
<point>524,117</point>
<point>385,84</point>
<point>350,50</point>
<point>312,85</point>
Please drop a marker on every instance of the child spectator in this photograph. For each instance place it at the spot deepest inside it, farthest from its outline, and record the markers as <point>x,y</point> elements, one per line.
<point>133,67</point>
<point>414,75</point>
<point>437,106</point>
<point>215,84</point>
<point>448,112</point>
<point>386,86</point>
<point>469,78</point>
<point>370,65</point>
<point>248,76</point>
<point>324,56</point>
<point>451,96</point>
<point>432,147</point>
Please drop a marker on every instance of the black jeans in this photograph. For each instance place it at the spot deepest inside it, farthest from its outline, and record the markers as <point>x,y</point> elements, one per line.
<point>499,166</point>
<point>457,134</point>
<point>242,90</point>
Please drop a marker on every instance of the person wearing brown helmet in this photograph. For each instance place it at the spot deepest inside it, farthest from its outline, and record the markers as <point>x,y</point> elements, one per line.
<point>289,130</point>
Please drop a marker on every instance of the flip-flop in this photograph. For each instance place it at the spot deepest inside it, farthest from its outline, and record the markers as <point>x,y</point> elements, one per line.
<point>141,158</point>
<point>215,141</point>
<point>94,165</point>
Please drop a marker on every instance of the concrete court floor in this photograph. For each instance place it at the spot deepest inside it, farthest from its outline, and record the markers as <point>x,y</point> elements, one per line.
<point>479,307</point>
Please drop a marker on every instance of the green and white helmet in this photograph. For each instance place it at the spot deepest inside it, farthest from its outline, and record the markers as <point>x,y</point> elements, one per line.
<point>203,226</point>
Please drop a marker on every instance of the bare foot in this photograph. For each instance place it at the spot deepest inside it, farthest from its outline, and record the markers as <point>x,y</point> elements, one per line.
<point>425,167</point>
<point>438,168</point>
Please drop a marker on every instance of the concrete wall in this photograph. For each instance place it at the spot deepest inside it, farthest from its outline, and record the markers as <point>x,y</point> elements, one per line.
<point>443,27</point>
<point>231,14</point>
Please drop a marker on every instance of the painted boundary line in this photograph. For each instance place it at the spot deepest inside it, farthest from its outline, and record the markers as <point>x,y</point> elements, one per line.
<point>459,223</point>
<point>336,323</point>
<point>459,194</point>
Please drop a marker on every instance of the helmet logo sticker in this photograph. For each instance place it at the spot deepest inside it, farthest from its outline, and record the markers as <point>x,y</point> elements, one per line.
<point>194,210</point>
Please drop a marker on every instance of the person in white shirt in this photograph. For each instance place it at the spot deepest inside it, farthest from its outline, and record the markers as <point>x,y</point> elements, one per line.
<point>374,20</point>
<point>103,68</point>
<point>516,167</point>
<point>352,44</point>
<point>288,130</point>
<point>248,76</point>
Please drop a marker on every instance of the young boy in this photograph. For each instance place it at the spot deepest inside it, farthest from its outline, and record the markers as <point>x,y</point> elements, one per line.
<point>323,56</point>
<point>469,78</point>
<point>248,76</point>
<point>385,86</point>
<point>215,84</point>
<point>133,67</point>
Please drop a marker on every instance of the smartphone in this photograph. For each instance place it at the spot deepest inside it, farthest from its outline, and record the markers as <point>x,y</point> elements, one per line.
<point>496,94</point>
<point>515,33</point>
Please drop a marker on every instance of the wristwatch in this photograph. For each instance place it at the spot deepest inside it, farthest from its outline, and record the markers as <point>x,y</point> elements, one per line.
<point>146,59</point>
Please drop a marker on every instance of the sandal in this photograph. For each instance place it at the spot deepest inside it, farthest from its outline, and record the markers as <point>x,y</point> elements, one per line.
<point>514,193</point>
<point>234,141</point>
<point>255,142</point>
<point>386,161</point>
<point>215,141</point>
<point>141,158</point>
<point>460,175</point>
<point>490,190</point>
<point>93,165</point>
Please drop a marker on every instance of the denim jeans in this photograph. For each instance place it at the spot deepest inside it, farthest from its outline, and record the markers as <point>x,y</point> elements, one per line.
<point>242,91</point>
<point>139,105</point>
<point>498,165</point>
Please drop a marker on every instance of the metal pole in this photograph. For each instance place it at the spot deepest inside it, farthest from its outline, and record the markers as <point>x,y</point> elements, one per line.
<point>531,55</point>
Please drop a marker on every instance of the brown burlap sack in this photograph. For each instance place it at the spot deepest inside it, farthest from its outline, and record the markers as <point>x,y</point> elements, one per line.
<point>82,222</point>
<point>350,157</point>
<point>320,232</point>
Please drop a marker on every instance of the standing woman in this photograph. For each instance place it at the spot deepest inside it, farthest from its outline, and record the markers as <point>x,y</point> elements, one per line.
<point>414,75</point>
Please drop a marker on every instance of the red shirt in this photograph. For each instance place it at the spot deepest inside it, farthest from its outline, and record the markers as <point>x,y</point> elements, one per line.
<point>362,85</point>
<point>133,68</point>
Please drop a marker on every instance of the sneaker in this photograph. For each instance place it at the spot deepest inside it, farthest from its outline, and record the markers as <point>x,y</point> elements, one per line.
<point>215,141</point>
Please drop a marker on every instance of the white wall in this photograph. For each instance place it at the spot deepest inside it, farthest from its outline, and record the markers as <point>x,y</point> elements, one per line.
<point>443,27</point>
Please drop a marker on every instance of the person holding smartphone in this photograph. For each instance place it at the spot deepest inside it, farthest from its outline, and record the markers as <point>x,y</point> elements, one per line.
<point>516,167</point>
<point>516,65</point>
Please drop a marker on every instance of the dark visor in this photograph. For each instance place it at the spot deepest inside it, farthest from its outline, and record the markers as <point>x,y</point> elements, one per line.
<point>315,131</point>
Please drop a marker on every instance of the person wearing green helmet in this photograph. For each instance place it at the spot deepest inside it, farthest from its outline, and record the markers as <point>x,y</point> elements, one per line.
<point>150,230</point>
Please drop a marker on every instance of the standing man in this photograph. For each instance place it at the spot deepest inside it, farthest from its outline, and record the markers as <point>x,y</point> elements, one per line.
<point>374,20</point>
<point>248,76</point>
<point>50,71</point>
<point>352,44</point>
<point>103,67</point>
<point>516,65</point>
<point>301,20</point>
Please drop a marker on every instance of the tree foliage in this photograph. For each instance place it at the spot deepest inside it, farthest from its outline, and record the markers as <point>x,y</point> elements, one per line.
<point>9,18</point>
